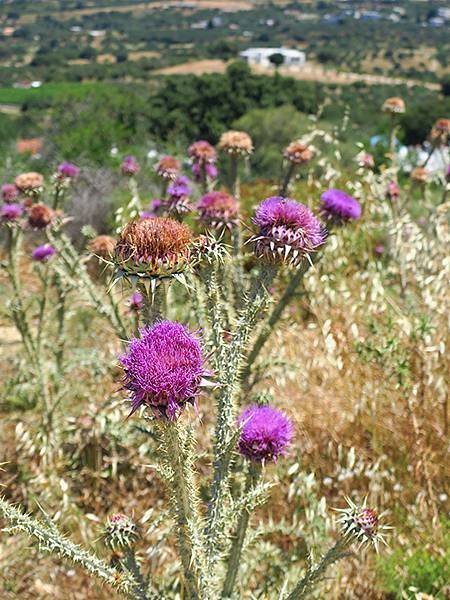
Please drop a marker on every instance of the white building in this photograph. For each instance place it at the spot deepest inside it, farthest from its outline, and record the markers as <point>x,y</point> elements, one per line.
<point>260,56</point>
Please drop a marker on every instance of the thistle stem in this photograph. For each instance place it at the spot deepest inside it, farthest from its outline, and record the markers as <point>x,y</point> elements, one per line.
<point>185,506</point>
<point>44,276</point>
<point>276,315</point>
<point>61,318</point>
<point>133,567</point>
<point>154,302</point>
<point>316,573</point>
<point>238,263</point>
<point>287,178</point>
<point>229,360</point>
<point>234,560</point>
<point>50,539</point>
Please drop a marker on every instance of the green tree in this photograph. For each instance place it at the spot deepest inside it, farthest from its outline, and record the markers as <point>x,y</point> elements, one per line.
<point>277,59</point>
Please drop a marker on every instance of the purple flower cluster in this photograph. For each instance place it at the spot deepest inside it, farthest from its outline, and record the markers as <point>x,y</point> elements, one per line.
<point>130,166</point>
<point>266,433</point>
<point>164,368</point>
<point>9,192</point>
<point>43,253</point>
<point>338,205</point>
<point>288,230</point>
<point>68,170</point>
<point>177,202</point>
<point>11,212</point>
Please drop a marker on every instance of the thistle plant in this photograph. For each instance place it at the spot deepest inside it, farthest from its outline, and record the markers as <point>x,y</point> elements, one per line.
<point>185,378</point>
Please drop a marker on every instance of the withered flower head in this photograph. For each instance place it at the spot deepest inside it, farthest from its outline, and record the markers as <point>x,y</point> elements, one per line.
<point>419,175</point>
<point>155,247</point>
<point>103,246</point>
<point>202,152</point>
<point>40,216</point>
<point>236,143</point>
<point>298,152</point>
<point>168,168</point>
<point>441,131</point>
<point>394,105</point>
<point>218,209</point>
<point>29,182</point>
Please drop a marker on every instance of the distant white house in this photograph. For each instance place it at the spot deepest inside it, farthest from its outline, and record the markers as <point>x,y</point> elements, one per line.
<point>261,56</point>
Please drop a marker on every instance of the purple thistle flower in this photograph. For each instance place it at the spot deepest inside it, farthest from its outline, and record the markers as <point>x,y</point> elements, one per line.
<point>9,192</point>
<point>183,180</point>
<point>287,230</point>
<point>211,171</point>
<point>340,206</point>
<point>266,433</point>
<point>218,209</point>
<point>130,166</point>
<point>136,301</point>
<point>178,190</point>
<point>69,170</point>
<point>197,172</point>
<point>11,212</point>
<point>43,253</point>
<point>379,249</point>
<point>164,368</point>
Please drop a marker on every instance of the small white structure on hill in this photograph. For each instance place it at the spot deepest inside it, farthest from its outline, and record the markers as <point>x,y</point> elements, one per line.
<point>261,56</point>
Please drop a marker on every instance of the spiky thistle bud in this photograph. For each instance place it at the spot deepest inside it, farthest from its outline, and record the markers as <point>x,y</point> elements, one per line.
<point>40,216</point>
<point>164,369</point>
<point>30,184</point>
<point>102,246</point>
<point>394,105</point>
<point>361,524</point>
<point>218,210</point>
<point>298,152</point>
<point>9,192</point>
<point>154,247</point>
<point>288,230</point>
<point>120,532</point>
<point>236,143</point>
<point>136,302</point>
<point>130,166</point>
<point>266,433</point>
<point>339,206</point>
<point>168,167</point>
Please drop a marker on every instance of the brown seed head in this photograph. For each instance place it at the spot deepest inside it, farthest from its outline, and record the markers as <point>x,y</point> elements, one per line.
<point>419,175</point>
<point>29,182</point>
<point>155,246</point>
<point>298,153</point>
<point>168,168</point>
<point>40,216</point>
<point>236,143</point>
<point>103,246</point>
<point>202,152</point>
<point>394,105</point>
